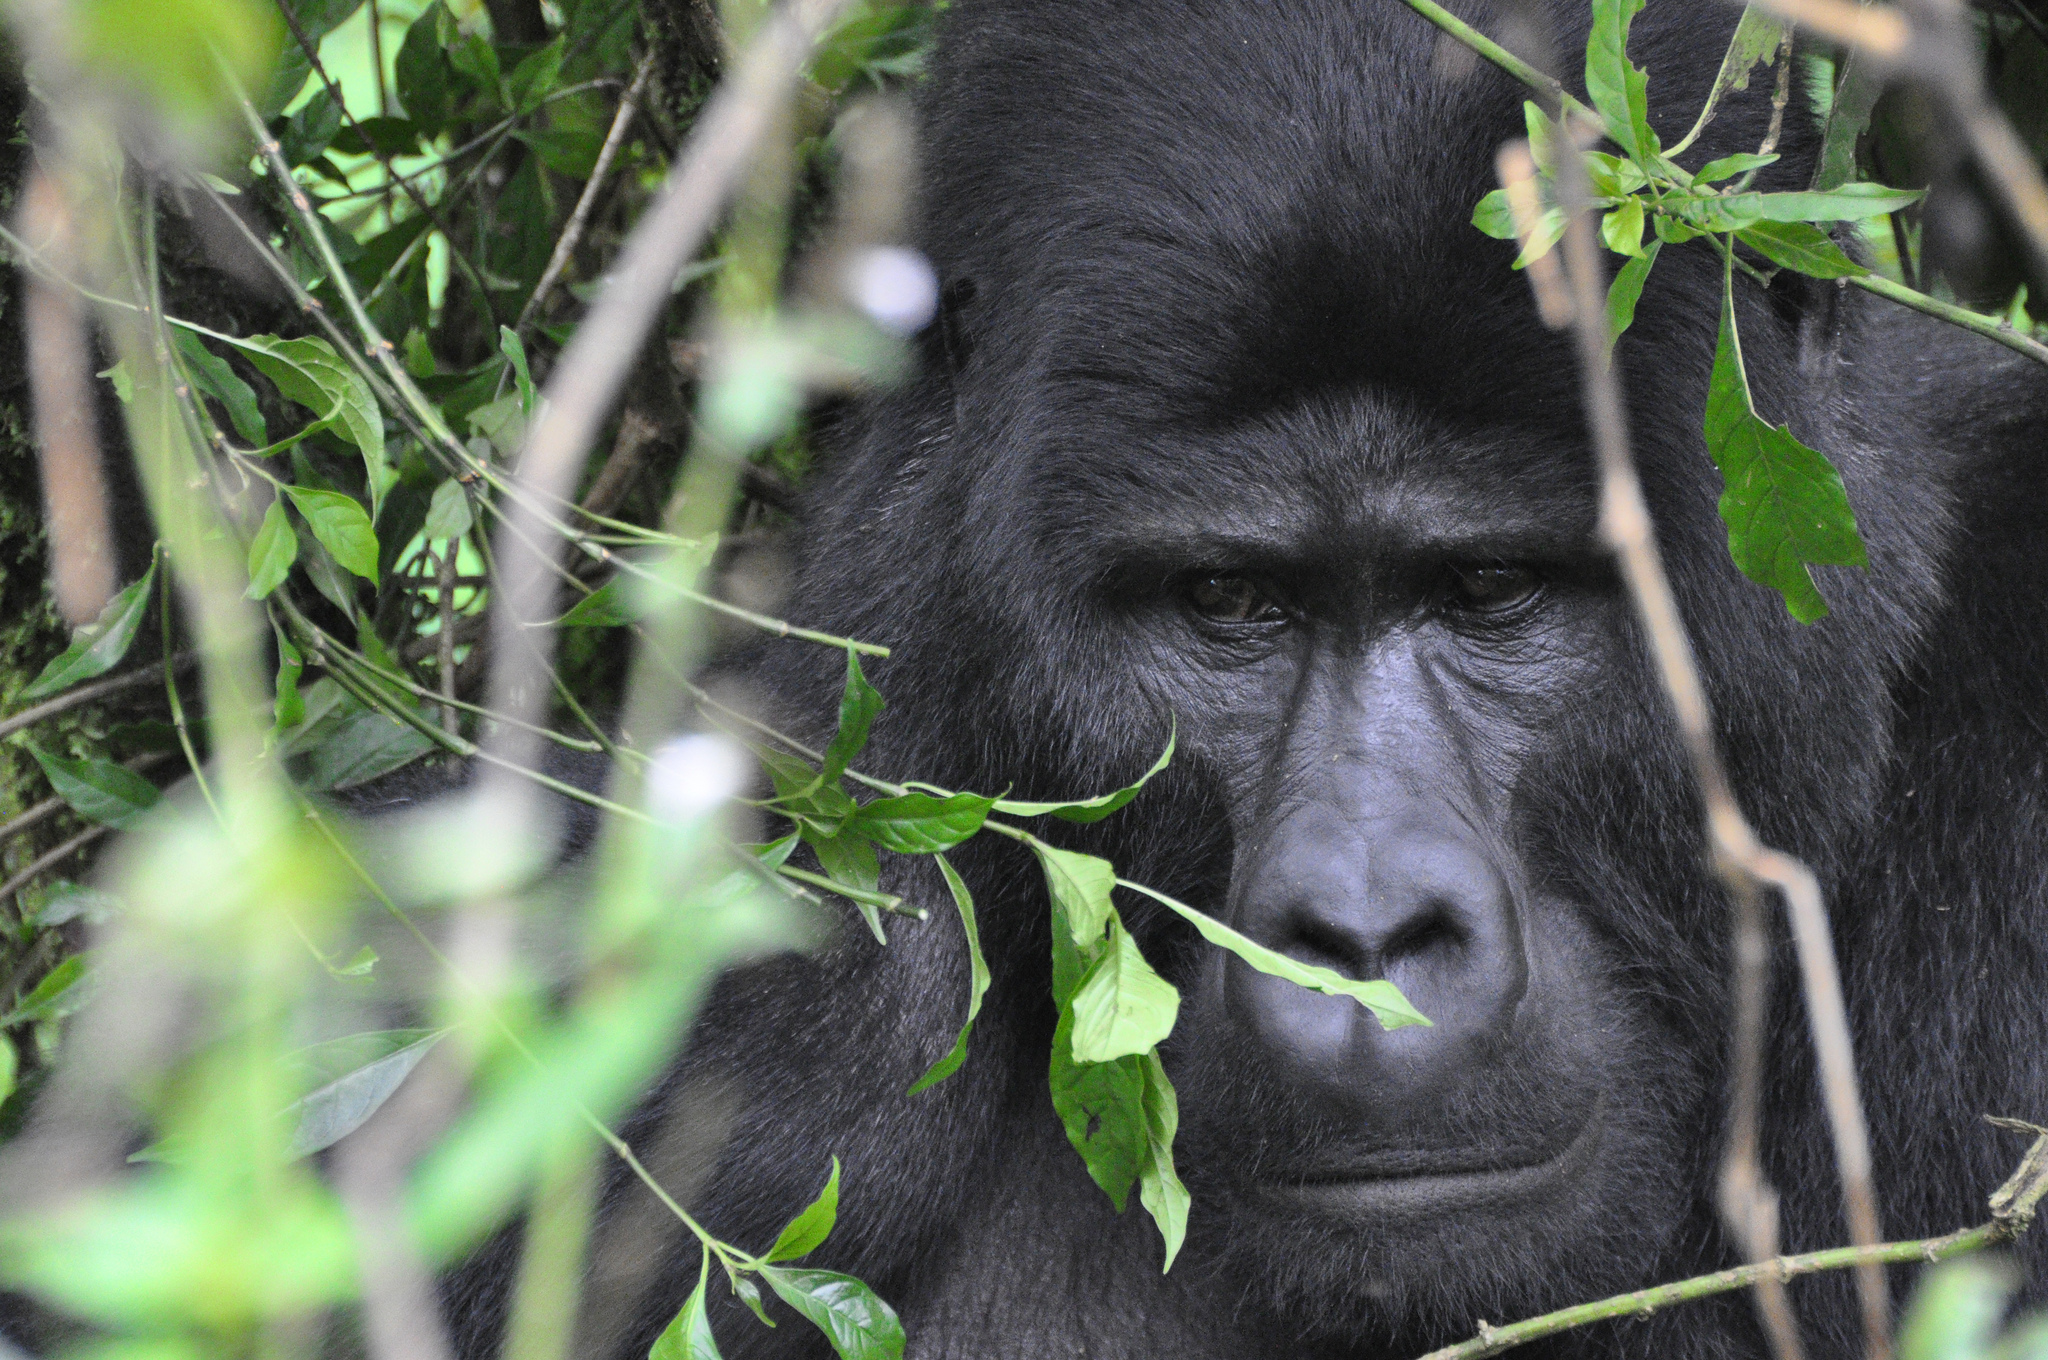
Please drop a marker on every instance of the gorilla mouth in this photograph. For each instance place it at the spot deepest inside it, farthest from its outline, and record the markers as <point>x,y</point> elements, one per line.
<point>1415,1183</point>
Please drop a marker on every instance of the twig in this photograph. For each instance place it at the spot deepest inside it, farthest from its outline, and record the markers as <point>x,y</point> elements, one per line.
<point>1555,94</point>
<point>572,234</point>
<point>1990,327</point>
<point>591,368</point>
<point>1742,862</point>
<point>444,640</point>
<point>85,694</point>
<point>2012,1213</point>
<point>50,859</point>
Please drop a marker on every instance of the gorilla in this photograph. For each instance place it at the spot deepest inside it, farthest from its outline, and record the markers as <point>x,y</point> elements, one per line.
<point>1233,425</point>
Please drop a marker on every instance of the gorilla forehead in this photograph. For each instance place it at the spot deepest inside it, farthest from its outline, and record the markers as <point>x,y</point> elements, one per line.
<point>1336,478</point>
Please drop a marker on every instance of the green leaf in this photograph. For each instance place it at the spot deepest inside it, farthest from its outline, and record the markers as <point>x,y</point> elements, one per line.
<point>122,379</point>
<point>424,75</point>
<point>611,604</point>
<point>99,646</point>
<point>210,374</point>
<point>1784,504</point>
<point>1862,80</point>
<point>1670,229</point>
<point>10,1068</point>
<point>509,343</point>
<point>849,862</point>
<point>1801,247</point>
<point>809,1229</point>
<point>1378,995</point>
<point>1494,217</point>
<point>918,823</point>
<point>977,984</point>
<point>1622,229</point>
<point>477,60</point>
<point>1627,290</point>
<point>1123,1007</point>
<point>1756,37</point>
<point>1091,809</point>
<point>1851,202</point>
<point>1080,886</point>
<point>857,1323</point>
<point>859,705</point>
<point>341,526</point>
<point>1612,176</point>
<point>98,789</point>
<point>362,746</point>
<point>531,81</point>
<point>1618,88</point>
<point>1159,1186</point>
<point>448,514</point>
<point>1102,1108</point>
<point>1543,138</point>
<point>310,373</point>
<point>56,996</point>
<point>1716,212</point>
<point>272,551</point>
<point>688,1336</point>
<point>1549,230</point>
<point>1728,167</point>
<point>326,1115</point>
<point>288,709</point>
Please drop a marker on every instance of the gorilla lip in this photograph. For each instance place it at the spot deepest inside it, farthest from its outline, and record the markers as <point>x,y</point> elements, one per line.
<point>1416,1187</point>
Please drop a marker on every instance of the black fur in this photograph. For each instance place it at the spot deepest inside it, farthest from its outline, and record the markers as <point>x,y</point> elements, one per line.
<point>1209,271</point>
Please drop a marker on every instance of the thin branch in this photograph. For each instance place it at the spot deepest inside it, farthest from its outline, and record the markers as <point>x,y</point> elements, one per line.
<point>1549,88</point>
<point>2012,1213</point>
<point>572,234</point>
<point>1742,862</point>
<point>85,694</point>
<point>50,859</point>
<point>1990,327</point>
<point>592,367</point>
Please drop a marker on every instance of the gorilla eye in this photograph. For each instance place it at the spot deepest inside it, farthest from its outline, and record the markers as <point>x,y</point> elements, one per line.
<point>1231,599</point>
<point>1492,588</point>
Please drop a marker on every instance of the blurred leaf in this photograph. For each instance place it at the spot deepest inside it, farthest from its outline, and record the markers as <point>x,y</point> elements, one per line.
<point>307,132</point>
<point>1494,217</point>
<point>859,705</point>
<point>323,1117</point>
<point>363,746</point>
<point>272,551</point>
<point>328,575</point>
<point>56,996</point>
<point>211,375</point>
<point>10,1068</point>
<point>688,1336</point>
<point>536,76</point>
<point>379,136</point>
<point>477,61</point>
<point>288,708</point>
<point>1801,247</point>
<point>1956,1310</point>
<point>64,901</point>
<point>173,50</point>
<point>310,373</point>
<point>1618,87</point>
<point>449,515</point>
<point>918,823</point>
<point>809,1229</point>
<point>859,1325</point>
<point>98,789</point>
<point>359,965</point>
<point>1123,1007</point>
<point>514,350</point>
<point>123,381</point>
<point>1092,809</point>
<point>977,984</point>
<point>1784,503</point>
<point>341,526</point>
<point>99,646</point>
<point>425,79</point>
<point>503,422</point>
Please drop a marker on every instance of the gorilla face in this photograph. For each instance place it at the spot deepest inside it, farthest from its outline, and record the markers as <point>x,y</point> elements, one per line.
<point>1371,630</point>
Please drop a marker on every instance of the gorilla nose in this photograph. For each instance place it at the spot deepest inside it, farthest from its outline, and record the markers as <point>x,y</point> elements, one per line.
<point>1431,913</point>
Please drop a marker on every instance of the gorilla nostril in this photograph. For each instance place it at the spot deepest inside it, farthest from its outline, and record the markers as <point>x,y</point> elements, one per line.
<point>1312,939</point>
<point>1437,931</point>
